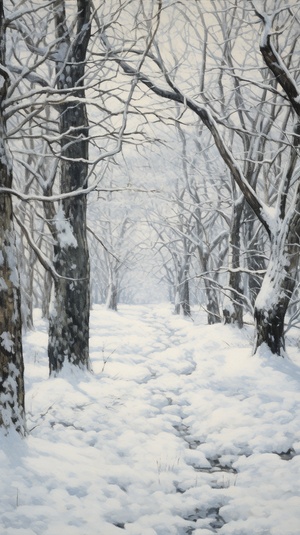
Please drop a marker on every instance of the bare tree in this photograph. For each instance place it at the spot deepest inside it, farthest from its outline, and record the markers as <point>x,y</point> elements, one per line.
<point>282,226</point>
<point>281,277</point>
<point>71,132</point>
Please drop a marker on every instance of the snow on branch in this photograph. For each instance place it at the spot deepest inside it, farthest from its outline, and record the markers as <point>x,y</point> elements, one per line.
<point>44,260</point>
<point>275,63</point>
<point>17,14</point>
<point>102,243</point>
<point>62,196</point>
<point>208,120</point>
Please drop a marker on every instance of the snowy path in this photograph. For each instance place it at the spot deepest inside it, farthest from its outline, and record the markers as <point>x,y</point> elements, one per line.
<point>178,431</point>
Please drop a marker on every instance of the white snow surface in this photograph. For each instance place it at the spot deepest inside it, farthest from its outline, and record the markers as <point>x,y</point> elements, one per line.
<point>64,230</point>
<point>178,431</point>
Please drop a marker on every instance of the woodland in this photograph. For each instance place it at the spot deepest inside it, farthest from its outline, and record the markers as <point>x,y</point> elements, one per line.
<point>149,153</point>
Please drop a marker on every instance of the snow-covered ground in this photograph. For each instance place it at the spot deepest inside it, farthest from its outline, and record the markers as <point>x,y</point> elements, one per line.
<point>179,430</point>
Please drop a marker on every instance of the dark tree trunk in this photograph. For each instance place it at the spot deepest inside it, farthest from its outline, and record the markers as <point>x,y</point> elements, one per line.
<point>280,279</point>
<point>281,276</point>
<point>12,409</point>
<point>46,294</point>
<point>234,312</point>
<point>254,257</point>
<point>26,268</point>
<point>270,328</point>
<point>12,406</point>
<point>278,286</point>
<point>69,321</point>
<point>255,262</point>
<point>270,309</point>
<point>212,304</point>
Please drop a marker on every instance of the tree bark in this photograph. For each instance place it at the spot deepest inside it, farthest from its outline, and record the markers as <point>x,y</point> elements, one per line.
<point>46,294</point>
<point>212,298</point>
<point>113,292</point>
<point>234,313</point>
<point>69,319</point>
<point>278,285</point>
<point>186,306</point>
<point>280,279</point>
<point>212,306</point>
<point>254,245</point>
<point>182,289</point>
<point>270,328</point>
<point>12,406</point>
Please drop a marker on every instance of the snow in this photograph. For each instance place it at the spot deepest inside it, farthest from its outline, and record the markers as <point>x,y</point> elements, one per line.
<point>271,216</point>
<point>179,430</point>
<point>3,285</point>
<point>64,230</point>
<point>6,341</point>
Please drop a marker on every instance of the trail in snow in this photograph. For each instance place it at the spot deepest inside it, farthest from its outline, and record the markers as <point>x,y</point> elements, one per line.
<point>178,431</point>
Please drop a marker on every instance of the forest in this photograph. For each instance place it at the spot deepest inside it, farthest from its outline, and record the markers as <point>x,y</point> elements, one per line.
<point>149,153</point>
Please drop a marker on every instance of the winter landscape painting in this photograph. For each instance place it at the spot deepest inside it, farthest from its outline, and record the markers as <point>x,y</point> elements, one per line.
<point>149,267</point>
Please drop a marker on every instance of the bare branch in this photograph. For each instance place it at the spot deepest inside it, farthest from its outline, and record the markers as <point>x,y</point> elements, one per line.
<point>276,65</point>
<point>101,243</point>
<point>209,121</point>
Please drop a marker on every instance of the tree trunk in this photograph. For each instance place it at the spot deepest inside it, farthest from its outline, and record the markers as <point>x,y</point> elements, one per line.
<point>186,306</point>
<point>69,320</point>
<point>270,309</point>
<point>182,291</point>
<point>278,286</point>
<point>270,328</point>
<point>12,409</point>
<point>254,245</point>
<point>26,268</point>
<point>112,294</point>
<point>212,304</point>
<point>12,405</point>
<point>255,262</point>
<point>234,312</point>
<point>212,301</point>
<point>281,276</point>
<point>46,294</point>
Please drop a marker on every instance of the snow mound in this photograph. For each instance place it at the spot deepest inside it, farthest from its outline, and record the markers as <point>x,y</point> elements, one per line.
<point>178,430</point>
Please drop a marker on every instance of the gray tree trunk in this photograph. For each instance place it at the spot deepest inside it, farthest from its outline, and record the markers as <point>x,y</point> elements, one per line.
<point>12,409</point>
<point>254,254</point>
<point>212,304</point>
<point>46,294</point>
<point>113,292</point>
<point>212,299</point>
<point>186,305</point>
<point>182,291</point>
<point>275,294</point>
<point>234,313</point>
<point>69,320</point>
<point>281,276</point>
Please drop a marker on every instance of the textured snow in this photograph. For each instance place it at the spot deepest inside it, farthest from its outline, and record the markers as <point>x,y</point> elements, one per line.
<point>6,341</point>
<point>179,430</point>
<point>64,230</point>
